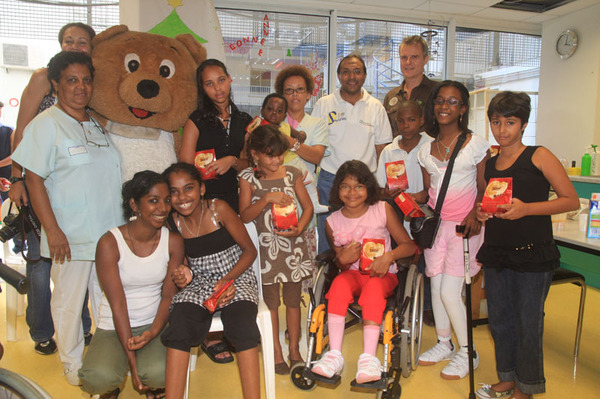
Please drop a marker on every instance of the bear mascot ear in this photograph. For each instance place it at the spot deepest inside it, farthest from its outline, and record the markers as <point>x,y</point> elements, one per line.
<point>197,51</point>
<point>108,33</point>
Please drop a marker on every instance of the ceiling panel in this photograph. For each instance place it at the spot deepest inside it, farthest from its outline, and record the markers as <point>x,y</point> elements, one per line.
<point>403,4</point>
<point>445,7</point>
<point>508,15</point>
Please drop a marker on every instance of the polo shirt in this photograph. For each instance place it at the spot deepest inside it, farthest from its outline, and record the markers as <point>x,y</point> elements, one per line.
<point>420,94</point>
<point>392,152</point>
<point>83,181</point>
<point>354,130</point>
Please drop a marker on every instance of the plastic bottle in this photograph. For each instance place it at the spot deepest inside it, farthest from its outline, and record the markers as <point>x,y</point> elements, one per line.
<point>586,164</point>
<point>595,167</point>
<point>574,170</point>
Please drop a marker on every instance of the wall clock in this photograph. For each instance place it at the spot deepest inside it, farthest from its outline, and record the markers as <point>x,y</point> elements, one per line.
<point>566,44</point>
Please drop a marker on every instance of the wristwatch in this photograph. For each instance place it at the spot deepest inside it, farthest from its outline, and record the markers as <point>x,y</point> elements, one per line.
<point>14,179</point>
<point>295,147</point>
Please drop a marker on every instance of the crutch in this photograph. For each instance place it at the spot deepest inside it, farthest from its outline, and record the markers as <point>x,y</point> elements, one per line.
<point>460,229</point>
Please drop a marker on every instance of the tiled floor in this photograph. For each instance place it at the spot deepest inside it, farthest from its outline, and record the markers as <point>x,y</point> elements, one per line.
<point>222,381</point>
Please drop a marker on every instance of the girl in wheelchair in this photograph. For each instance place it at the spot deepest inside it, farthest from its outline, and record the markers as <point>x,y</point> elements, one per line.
<point>360,231</point>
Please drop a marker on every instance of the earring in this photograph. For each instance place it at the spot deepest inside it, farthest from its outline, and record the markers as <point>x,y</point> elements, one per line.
<point>134,216</point>
<point>460,119</point>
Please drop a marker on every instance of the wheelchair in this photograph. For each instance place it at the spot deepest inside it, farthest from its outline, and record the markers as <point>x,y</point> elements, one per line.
<point>401,330</point>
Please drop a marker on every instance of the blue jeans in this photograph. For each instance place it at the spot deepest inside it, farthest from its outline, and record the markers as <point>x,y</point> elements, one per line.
<point>516,316</point>
<point>38,314</point>
<point>324,184</point>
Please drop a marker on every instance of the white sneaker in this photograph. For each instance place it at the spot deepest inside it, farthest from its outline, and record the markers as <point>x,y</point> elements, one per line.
<point>330,364</point>
<point>438,353</point>
<point>459,366</point>
<point>71,374</point>
<point>369,369</point>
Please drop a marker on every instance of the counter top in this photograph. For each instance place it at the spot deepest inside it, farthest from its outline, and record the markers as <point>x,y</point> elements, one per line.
<point>571,236</point>
<point>586,179</point>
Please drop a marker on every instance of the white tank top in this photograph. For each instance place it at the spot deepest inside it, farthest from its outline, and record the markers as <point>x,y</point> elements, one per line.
<point>142,280</point>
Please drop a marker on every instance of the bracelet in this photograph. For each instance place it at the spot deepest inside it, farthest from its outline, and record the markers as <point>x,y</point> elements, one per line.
<point>235,164</point>
<point>295,146</point>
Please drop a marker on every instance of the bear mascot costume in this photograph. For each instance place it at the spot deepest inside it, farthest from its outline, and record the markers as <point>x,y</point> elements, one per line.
<point>144,90</point>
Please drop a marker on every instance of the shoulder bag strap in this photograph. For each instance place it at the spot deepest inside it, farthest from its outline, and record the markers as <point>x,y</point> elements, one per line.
<point>448,173</point>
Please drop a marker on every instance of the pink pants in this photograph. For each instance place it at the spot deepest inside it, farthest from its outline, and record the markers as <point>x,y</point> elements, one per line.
<point>372,293</point>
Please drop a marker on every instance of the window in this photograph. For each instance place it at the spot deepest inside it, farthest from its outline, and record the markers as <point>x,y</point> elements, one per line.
<point>488,62</point>
<point>259,44</point>
<point>378,42</point>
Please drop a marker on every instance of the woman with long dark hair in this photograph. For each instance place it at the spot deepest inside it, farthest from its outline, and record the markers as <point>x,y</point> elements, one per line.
<point>217,124</point>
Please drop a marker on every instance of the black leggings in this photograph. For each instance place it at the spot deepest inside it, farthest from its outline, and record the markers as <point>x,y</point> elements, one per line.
<point>189,325</point>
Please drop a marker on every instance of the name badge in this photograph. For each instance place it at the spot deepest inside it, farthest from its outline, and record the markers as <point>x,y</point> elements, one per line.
<point>77,150</point>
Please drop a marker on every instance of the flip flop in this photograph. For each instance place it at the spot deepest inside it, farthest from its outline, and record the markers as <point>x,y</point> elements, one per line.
<point>215,349</point>
<point>282,368</point>
<point>155,394</point>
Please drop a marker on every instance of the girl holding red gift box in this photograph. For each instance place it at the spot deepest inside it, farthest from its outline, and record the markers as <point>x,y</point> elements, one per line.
<point>356,231</point>
<point>519,254</point>
<point>264,191</point>
<point>218,251</point>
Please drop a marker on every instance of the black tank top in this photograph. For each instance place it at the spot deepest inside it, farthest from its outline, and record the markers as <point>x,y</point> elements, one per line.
<point>525,244</point>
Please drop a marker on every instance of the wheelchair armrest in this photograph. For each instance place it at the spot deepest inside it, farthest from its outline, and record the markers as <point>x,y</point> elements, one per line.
<point>326,258</point>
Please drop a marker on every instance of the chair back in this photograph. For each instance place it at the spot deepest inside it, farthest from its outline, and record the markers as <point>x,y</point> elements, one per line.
<point>251,228</point>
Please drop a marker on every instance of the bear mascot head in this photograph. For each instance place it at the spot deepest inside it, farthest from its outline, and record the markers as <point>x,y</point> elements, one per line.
<point>144,89</point>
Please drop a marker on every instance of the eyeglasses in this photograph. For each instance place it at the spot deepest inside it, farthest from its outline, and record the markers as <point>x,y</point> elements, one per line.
<point>289,91</point>
<point>358,188</point>
<point>99,127</point>
<point>453,102</point>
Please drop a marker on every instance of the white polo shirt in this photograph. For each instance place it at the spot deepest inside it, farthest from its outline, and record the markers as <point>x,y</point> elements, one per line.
<point>392,152</point>
<point>354,130</point>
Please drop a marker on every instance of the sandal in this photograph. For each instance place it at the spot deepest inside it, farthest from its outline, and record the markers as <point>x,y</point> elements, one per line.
<point>282,368</point>
<point>155,394</point>
<point>294,362</point>
<point>487,392</point>
<point>215,349</point>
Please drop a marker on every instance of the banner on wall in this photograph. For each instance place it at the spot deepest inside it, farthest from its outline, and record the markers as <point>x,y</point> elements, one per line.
<point>173,17</point>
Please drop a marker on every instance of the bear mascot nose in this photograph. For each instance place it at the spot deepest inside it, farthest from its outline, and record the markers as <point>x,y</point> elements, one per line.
<point>148,88</point>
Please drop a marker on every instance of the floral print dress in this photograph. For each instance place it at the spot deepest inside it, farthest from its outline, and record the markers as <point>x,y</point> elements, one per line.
<point>282,259</point>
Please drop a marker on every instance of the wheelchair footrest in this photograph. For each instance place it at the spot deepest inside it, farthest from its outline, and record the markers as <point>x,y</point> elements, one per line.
<point>379,384</point>
<point>335,380</point>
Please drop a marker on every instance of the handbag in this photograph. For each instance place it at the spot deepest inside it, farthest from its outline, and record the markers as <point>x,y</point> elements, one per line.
<point>424,228</point>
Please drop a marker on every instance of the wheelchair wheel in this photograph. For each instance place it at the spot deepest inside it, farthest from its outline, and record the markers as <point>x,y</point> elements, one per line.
<point>298,380</point>
<point>389,394</point>
<point>412,323</point>
<point>13,385</point>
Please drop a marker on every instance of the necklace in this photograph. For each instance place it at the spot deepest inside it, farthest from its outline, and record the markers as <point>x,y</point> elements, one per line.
<point>135,252</point>
<point>227,116</point>
<point>447,148</point>
<point>199,223</point>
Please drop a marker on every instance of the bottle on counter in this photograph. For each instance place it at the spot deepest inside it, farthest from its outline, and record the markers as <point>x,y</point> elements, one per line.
<point>595,165</point>
<point>586,164</point>
<point>574,170</point>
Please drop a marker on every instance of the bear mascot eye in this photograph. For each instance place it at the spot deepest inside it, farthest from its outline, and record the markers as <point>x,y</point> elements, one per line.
<point>132,62</point>
<point>167,69</point>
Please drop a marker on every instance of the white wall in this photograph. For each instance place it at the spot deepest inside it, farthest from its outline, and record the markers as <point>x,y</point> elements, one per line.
<point>569,101</point>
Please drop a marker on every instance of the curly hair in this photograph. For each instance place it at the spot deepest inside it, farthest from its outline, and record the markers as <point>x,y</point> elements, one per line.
<point>431,126</point>
<point>140,185</point>
<point>510,103</point>
<point>64,59</point>
<point>274,95</point>
<point>361,172</point>
<point>89,30</point>
<point>294,70</point>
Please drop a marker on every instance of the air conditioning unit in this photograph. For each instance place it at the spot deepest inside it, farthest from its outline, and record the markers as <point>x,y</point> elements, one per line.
<point>15,55</point>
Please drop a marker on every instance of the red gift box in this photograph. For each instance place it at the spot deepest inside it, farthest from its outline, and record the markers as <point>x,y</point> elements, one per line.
<point>408,206</point>
<point>497,192</point>
<point>256,122</point>
<point>202,159</point>
<point>371,249</point>
<point>211,303</point>
<point>396,175</point>
<point>284,217</point>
